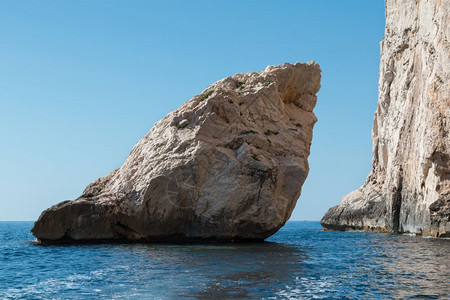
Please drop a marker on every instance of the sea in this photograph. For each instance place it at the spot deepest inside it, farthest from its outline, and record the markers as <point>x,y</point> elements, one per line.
<point>299,262</point>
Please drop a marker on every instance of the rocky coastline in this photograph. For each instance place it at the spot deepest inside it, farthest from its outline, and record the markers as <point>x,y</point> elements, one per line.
<point>408,189</point>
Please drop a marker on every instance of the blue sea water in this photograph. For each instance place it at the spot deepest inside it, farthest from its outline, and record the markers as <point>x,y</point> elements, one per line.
<point>299,262</point>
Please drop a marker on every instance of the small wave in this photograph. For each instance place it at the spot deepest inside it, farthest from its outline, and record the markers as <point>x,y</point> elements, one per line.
<point>435,237</point>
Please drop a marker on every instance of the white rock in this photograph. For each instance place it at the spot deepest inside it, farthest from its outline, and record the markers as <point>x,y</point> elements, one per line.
<point>408,189</point>
<point>227,165</point>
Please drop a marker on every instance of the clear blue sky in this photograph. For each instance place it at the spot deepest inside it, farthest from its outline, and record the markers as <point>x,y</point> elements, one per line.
<point>82,81</point>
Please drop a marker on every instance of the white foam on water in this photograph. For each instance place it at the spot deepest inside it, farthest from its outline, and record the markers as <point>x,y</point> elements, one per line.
<point>308,288</point>
<point>409,234</point>
<point>49,287</point>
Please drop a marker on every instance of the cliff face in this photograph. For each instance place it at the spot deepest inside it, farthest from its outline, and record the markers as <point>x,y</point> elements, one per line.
<point>408,189</point>
<point>228,165</point>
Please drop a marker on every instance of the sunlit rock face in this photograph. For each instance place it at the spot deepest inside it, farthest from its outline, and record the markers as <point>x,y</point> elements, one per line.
<point>227,165</point>
<point>408,189</point>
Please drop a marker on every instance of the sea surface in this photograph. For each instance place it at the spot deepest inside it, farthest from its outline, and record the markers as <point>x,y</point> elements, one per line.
<point>299,262</point>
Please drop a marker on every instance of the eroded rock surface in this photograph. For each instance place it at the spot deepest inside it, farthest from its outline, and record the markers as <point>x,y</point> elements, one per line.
<point>408,189</point>
<point>227,165</point>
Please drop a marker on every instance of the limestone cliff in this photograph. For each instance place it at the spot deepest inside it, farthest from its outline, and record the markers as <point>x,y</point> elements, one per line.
<point>408,189</point>
<point>227,165</point>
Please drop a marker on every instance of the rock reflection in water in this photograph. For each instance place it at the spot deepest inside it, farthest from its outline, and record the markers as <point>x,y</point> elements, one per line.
<point>408,266</point>
<point>251,270</point>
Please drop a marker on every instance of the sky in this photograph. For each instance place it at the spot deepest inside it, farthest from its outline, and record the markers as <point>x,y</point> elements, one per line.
<point>82,81</point>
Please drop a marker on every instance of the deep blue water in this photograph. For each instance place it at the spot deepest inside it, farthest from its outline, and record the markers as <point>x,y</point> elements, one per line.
<point>299,262</point>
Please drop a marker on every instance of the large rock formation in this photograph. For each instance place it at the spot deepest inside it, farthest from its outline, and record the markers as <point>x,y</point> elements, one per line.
<point>227,165</point>
<point>408,189</point>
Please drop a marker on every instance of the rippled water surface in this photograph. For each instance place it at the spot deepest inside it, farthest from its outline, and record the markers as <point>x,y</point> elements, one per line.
<point>299,262</point>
